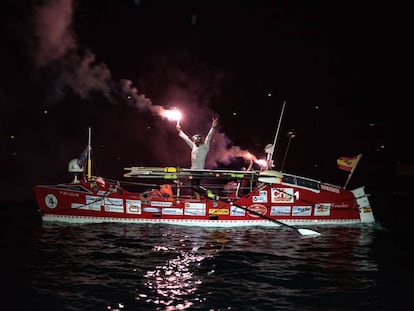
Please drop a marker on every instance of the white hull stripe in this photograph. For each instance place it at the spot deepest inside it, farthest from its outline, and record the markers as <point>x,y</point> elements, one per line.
<point>197,222</point>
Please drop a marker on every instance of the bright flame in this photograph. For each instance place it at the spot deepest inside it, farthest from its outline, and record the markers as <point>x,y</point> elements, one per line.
<point>172,114</point>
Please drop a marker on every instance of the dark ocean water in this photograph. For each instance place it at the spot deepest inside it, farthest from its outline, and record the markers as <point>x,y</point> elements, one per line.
<point>49,266</point>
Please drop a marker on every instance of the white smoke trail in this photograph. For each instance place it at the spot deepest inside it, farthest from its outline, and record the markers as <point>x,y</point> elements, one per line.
<point>57,46</point>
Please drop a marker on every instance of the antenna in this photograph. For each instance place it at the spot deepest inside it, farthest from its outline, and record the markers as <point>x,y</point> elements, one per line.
<point>276,135</point>
<point>89,154</point>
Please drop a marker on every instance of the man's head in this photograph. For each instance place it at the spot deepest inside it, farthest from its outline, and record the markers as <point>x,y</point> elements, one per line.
<point>197,139</point>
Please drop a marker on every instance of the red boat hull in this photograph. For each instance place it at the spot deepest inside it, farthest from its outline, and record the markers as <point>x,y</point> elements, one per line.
<point>91,202</point>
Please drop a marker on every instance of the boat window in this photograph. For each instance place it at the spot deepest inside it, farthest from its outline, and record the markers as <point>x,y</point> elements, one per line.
<point>288,179</point>
<point>307,183</point>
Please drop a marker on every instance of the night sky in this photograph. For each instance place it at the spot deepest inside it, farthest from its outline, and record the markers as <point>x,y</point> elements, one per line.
<point>66,65</point>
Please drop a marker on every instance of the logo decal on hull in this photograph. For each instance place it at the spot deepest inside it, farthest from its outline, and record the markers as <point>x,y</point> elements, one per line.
<point>51,201</point>
<point>258,208</point>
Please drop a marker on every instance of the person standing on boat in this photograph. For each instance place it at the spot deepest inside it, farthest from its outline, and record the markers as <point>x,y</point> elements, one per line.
<point>199,147</point>
<point>199,150</point>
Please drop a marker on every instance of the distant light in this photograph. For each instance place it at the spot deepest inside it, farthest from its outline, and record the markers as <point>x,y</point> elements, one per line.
<point>372,124</point>
<point>316,107</point>
<point>234,113</point>
<point>45,111</point>
<point>269,94</point>
<point>12,137</point>
<point>148,127</point>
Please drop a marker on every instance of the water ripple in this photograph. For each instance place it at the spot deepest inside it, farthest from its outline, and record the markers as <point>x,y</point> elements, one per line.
<point>160,267</point>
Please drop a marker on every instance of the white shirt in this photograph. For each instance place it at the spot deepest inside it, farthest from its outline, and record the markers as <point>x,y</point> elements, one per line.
<point>198,153</point>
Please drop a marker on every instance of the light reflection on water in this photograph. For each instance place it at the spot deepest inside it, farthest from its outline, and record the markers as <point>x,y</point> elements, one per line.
<point>166,268</point>
<point>173,284</point>
<point>174,280</point>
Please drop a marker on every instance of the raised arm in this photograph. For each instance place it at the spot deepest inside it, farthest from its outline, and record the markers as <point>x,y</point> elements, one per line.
<point>184,136</point>
<point>211,131</point>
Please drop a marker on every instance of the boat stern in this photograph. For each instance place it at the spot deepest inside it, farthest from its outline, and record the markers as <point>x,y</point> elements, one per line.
<point>365,210</point>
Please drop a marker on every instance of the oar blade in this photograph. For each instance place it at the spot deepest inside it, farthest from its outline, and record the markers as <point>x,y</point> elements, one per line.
<point>308,232</point>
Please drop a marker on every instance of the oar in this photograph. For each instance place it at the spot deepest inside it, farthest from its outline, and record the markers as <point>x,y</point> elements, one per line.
<point>306,232</point>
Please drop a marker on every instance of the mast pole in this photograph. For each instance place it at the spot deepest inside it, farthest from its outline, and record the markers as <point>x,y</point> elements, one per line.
<point>276,135</point>
<point>89,154</point>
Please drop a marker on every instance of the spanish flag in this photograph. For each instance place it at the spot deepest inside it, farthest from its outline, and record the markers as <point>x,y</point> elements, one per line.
<point>348,164</point>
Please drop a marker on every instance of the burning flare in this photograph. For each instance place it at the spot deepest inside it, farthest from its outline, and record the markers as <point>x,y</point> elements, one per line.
<point>251,157</point>
<point>172,115</point>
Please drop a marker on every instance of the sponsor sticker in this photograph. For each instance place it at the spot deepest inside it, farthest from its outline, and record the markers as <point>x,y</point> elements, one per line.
<point>113,201</point>
<point>237,211</point>
<point>92,203</point>
<point>133,206</point>
<point>195,209</point>
<point>218,211</point>
<point>114,208</point>
<point>161,203</point>
<point>261,198</point>
<point>282,195</point>
<point>151,209</point>
<point>280,210</point>
<point>85,207</point>
<point>195,205</point>
<point>322,209</point>
<point>90,207</point>
<point>258,208</point>
<point>172,211</point>
<point>302,210</point>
